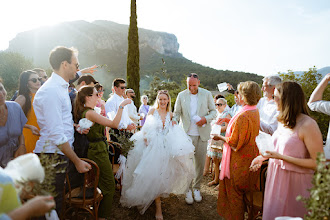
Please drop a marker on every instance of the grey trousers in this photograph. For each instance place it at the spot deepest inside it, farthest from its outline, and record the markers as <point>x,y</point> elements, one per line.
<point>199,160</point>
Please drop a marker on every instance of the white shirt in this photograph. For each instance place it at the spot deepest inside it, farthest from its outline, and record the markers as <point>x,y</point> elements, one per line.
<point>323,107</point>
<point>268,115</point>
<point>112,105</point>
<point>52,107</point>
<point>132,112</point>
<point>193,129</point>
<point>234,109</point>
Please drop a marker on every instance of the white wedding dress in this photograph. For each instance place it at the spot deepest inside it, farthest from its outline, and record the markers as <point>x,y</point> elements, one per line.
<point>161,167</point>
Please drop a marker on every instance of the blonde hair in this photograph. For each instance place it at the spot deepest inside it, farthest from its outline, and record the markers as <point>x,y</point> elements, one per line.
<point>161,92</point>
<point>250,92</point>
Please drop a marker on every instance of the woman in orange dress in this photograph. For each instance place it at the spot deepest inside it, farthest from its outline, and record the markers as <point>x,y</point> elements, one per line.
<point>29,83</point>
<point>239,150</point>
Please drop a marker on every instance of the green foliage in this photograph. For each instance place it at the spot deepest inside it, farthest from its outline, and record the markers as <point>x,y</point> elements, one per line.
<point>133,55</point>
<point>308,81</point>
<point>230,100</point>
<point>11,66</point>
<point>47,187</point>
<point>125,143</point>
<point>318,204</point>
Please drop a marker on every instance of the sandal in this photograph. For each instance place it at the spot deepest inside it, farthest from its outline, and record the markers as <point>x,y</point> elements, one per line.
<point>213,182</point>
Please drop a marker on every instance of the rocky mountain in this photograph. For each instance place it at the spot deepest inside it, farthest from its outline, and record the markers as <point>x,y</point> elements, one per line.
<point>105,42</point>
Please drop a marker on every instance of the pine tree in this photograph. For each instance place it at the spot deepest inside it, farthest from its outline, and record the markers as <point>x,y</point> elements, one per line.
<point>133,55</point>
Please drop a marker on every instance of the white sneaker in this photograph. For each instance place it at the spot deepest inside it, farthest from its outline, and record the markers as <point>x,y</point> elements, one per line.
<point>189,199</point>
<point>197,195</point>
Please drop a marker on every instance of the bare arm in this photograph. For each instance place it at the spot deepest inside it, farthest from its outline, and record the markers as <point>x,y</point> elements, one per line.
<point>21,100</point>
<point>21,149</point>
<point>82,166</point>
<point>312,137</point>
<point>37,206</point>
<point>318,91</point>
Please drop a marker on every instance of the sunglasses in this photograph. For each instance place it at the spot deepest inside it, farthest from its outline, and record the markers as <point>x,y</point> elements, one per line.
<point>219,104</point>
<point>123,87</point>
<point>34,80</point>
<point>193,75</point>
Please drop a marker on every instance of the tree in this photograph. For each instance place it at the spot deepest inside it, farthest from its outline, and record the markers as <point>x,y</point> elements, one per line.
<point>11,66</point>
<point>133,55</point>
<point>308,81</point>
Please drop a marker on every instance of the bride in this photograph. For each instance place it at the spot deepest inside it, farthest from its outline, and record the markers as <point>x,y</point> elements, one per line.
<point>161,161</point>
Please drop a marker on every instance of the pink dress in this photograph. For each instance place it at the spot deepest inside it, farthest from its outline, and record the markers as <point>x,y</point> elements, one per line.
<point>285,181</point>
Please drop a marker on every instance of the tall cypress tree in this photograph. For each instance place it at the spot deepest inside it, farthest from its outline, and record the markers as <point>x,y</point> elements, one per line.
<point>133,55</point>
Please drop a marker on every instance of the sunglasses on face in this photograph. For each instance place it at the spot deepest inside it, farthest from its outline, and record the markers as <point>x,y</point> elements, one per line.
<point>193,75</point>
<point>219,104</point>
<point>123,87</point>
<point>34,80</point>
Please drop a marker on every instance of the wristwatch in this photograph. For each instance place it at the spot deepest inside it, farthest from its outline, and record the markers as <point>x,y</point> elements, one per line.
<point>121,107</point>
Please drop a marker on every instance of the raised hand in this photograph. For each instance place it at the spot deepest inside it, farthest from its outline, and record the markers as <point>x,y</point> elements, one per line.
<point>90,70</point>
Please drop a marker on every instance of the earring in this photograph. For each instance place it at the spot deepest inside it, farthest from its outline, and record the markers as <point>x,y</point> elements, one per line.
<point>84,105</point>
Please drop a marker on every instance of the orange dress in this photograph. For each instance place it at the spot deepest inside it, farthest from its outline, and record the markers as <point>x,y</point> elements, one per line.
<point>244,149</point>
<point>31,139</point>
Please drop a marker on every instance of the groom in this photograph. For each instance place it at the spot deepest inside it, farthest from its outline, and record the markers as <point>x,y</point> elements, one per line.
<point>195,109</point>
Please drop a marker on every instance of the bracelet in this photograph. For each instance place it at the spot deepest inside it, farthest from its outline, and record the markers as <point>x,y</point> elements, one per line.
<point>121,107</point>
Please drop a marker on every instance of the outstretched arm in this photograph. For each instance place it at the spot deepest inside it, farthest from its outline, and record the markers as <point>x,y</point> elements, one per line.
<point>318,91</point>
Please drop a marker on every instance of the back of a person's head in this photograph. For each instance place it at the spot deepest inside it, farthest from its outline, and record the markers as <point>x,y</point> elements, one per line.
<point>250,92</point>
<point>273,80</point>
<point>38,70</point>
<point>88,79</point>
<point>116,82</point>
<point>80,100</point>
<point>292,102</point>
<point>60,54</point>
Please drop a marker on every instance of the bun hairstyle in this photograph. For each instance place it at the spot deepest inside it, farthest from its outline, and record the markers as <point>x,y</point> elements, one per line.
<point>79,102</point>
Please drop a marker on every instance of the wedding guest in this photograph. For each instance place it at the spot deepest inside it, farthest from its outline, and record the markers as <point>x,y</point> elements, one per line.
<point>214,148</point>
<point>316,103</point>
<point>29,83</point>
<point>52,107</point>
<point>238,152</point>
<point>291,166</point>
<point>85,103</point>
<point>195,109</point>
<point>132,111</point>
<point>266,105</point>
<point>12,121</point>
<point>160,162</point>
<point>42,74</point>
<point>82,81</point>
<point>144,108</point>
<point>100,102</point>
<point>12,209</point>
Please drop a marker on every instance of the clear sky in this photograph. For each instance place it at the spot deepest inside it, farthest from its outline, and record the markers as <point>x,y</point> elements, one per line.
<point>258,36</point>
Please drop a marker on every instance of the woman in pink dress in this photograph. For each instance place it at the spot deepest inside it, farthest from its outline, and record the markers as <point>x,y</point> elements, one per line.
<point>297,141</point>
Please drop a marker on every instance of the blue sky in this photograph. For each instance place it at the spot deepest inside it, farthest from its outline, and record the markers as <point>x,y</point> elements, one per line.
<point>258,36</point>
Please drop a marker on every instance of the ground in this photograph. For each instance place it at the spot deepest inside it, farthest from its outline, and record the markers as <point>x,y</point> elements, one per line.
<point>175,207</point>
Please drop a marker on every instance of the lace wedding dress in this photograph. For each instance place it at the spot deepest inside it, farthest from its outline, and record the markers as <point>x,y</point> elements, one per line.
<point>161,167</point>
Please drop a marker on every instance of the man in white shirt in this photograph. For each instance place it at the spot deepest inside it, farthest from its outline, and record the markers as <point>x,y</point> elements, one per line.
<point>266,105</point>
<point>52,107</point>
<point>195,109</point>
<point>113,103</point>
<point>132,110</point>
<point>316,103</point>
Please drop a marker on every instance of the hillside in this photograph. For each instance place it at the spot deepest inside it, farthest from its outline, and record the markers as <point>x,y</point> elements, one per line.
<point>105,42</point>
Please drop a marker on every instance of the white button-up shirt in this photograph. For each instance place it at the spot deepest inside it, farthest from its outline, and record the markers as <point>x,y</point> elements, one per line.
<point>268,115</point>
<point>323,107</point>
<point>112,105</point>
<point>52,107</point>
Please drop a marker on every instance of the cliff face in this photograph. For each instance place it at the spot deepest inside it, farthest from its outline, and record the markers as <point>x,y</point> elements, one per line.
<point>89,38</point>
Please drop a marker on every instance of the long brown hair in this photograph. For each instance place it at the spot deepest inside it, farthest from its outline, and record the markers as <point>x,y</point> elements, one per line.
<point>79,102</point>
<point>24,89</point>
<point>292,102</point>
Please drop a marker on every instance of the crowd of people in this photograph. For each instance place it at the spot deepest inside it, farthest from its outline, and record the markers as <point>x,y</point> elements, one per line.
<point>172,150</point>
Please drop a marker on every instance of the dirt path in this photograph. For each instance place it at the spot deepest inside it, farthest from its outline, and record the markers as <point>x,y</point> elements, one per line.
<point>175,207</point>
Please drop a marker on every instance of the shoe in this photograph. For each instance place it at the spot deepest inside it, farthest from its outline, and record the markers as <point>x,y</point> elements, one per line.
<point>189,199</point>
<point>197,195</point>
